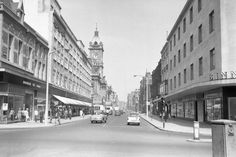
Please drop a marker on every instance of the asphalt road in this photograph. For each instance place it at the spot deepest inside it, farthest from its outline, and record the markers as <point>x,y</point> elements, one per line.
<point>113,139</point>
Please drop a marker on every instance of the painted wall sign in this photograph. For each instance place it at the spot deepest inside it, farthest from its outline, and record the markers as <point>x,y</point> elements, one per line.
<point>222,75</point>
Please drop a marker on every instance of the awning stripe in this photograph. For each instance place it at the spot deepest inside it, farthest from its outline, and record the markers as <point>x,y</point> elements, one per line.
<point>70,101</point>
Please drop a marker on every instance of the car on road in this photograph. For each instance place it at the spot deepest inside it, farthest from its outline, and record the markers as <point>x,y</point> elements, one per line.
<point>98,116</point>
<point>133,118</point>
<point>109,110</point>
<point>117,113</point>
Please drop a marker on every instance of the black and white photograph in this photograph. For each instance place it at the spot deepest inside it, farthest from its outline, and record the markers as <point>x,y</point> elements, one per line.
<point>117,78</point>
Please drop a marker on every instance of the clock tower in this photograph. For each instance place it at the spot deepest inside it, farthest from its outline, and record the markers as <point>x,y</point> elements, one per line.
<point>99,83</point>
<point>96,54</point>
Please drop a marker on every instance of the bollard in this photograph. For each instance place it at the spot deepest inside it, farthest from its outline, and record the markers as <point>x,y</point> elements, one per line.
<point>196,130</point>
<point>163,124</point>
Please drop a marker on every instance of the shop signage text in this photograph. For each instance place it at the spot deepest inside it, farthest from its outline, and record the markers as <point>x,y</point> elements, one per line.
<point>31,84</point>
<point>223,76</point>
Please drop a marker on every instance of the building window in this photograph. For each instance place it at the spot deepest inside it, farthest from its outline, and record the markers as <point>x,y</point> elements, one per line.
<point>170,64</point>
<point>179,56</point>
<point>174,40</point>
<point>175,82</point>
<point>191,72</point>
<point>178,33</point>
<point>200,34</point>
<point>191,43</point>
<point>199,5</point>
<point>191,15</point>
<point>185,75</point>
<point>184,50</point>
<point>200,66</point>
<point>184,25</point>
<point>174,60</point>
<point>171,85</point>
<point>171,45</point>
<point>16,47</point>
<point>10,39</point>
<point>179,78</point>
<point>212,59</point>
<point>211,22</point>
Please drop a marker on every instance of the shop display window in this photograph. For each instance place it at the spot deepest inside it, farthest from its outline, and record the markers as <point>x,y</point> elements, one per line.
<point>173,110</point>
<point>180,110</point>
<point>213,109</point>
<point>189,109</point>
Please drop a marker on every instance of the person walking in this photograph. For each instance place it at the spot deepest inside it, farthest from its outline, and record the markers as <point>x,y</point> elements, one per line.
<point>58,115</point>
<point>70,112</point>
<point>36,113</point>
<point>19,114</point>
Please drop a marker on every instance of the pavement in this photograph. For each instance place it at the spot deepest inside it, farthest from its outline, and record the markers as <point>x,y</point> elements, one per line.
<point>33,124</point>
<point>179,125</point>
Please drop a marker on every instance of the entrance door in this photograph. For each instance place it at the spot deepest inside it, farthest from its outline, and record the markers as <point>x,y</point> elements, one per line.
<point>232,108</point>
<point>200,109</point>
<point>29,104</point>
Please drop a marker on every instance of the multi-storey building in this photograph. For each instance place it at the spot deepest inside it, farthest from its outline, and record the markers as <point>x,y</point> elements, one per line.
<point>155,87</point>
<point>23,62</point>
<point>96,57</point>
<point>69,68</point>
<point>145,92</point>
<point>202,70</point>
<point>133,100</point>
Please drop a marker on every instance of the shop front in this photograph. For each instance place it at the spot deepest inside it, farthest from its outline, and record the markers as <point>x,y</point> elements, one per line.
<point>17,98</point>
<point>67,103</point>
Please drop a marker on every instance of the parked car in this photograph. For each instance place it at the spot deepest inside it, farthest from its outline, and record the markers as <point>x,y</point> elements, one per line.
<point>133,118</point>
<point>98,116</point>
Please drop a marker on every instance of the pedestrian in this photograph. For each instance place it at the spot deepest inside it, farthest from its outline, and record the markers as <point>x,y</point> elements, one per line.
<point>66,113</point>
<point>19,114</point>
<point>81,112</point>
<point>41,114</point>
<point>27,114</point>
<point>11,114</point>
<point>36,113</point>
<point>70,112</point>
<point>58,115</point>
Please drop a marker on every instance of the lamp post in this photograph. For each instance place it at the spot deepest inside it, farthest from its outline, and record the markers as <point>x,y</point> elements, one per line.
<point>146,101</point>
<point>47,85</point>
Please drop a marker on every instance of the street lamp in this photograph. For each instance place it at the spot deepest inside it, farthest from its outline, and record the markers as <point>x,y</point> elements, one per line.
<point>146,79</point>
<point>47,84</point>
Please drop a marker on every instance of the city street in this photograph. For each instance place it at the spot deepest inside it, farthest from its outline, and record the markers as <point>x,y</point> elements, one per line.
<point>114,138</point>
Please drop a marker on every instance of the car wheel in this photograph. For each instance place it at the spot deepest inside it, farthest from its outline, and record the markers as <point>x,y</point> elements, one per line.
<point>91,121</point>
<point>127,123</point>
<point>138,124</point>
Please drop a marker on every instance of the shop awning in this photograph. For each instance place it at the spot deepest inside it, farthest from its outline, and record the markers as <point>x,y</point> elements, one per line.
<point>69,101</point>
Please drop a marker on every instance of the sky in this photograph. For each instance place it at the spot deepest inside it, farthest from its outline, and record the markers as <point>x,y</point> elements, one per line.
<point>133,33</point>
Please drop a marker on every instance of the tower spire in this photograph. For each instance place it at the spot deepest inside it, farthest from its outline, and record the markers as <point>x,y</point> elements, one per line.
<point>96,31</point>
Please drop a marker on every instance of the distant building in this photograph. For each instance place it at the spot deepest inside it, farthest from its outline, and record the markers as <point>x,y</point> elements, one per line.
<point>201,59</point>
<point>23,62</point>
<point>145,87</point>
<point>99,82</point>
<point>155,87</point>
<point>133,101</point>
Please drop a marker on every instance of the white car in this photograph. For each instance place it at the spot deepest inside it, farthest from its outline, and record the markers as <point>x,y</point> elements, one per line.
<point>133,118</point>
<point>98,116</point>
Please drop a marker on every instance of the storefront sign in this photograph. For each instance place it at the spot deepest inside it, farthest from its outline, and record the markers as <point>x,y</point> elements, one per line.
<point>222,75</point>
<point>4,106</point>
<point>31,84</point>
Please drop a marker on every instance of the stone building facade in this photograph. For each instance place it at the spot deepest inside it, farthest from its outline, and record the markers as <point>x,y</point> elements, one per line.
<point>201,61</point>
<point>23,62</point>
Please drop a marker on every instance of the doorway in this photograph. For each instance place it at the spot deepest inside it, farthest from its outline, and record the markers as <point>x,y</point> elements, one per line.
<point>232,108</point>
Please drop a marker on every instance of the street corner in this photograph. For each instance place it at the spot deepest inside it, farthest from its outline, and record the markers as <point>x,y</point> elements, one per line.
<point>199,140</point>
